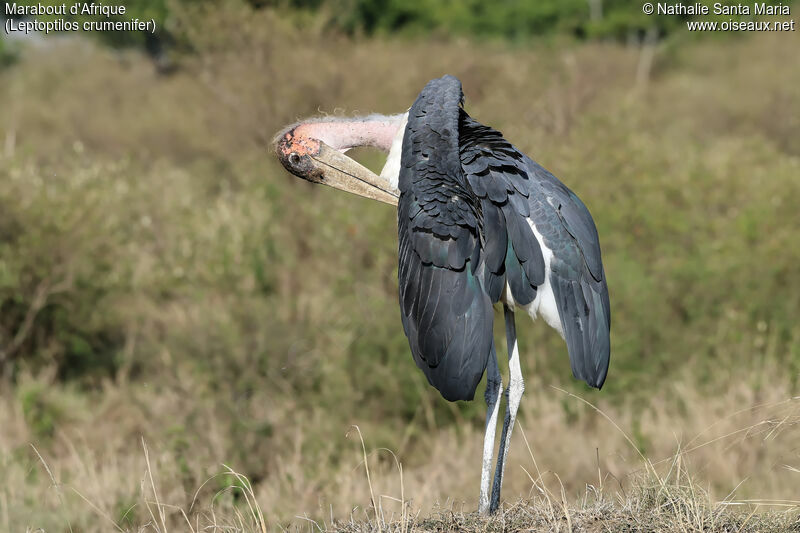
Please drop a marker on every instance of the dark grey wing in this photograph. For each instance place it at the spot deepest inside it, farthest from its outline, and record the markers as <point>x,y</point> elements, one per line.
<point>576,275</point>
<point>497,174</point>
<point>512,190</point>
<point>446,313</point>
<point>467,200</point>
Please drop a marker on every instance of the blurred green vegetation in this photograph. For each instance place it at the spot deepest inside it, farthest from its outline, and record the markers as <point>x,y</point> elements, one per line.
<point>620,20</point>
<point>687,227</point>
<point>7,55</point>
<point>150,243</point>
<point>101,239</point>
<point>515,20</point>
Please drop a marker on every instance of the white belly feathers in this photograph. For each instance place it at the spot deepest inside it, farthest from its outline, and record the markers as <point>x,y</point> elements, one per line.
<point>545,302</point>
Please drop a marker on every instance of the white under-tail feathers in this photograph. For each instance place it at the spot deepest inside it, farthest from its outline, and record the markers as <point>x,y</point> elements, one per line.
<point>544,304</point>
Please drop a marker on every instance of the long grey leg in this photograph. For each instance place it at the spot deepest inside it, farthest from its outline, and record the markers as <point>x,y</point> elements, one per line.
<point>514,394</point>
<point>494,385</point>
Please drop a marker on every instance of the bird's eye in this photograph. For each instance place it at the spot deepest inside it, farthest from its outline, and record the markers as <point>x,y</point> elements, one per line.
<point>294,158</point>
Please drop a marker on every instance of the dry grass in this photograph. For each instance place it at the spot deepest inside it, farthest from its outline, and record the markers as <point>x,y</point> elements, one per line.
<point>583,466</point>
<point>166,287</point>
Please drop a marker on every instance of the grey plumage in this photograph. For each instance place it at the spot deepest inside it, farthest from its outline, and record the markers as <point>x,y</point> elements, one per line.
<point>577,274</point>
<point>465,198</point>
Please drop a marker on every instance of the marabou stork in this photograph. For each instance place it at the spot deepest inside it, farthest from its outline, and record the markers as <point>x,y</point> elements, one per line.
<point>478,223</point>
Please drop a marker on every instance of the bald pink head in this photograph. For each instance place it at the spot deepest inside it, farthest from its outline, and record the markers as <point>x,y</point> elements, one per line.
<point>313,150</point>
<point>377,131</point>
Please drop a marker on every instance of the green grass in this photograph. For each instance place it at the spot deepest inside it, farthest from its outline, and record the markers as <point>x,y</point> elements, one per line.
<point>161,277</point>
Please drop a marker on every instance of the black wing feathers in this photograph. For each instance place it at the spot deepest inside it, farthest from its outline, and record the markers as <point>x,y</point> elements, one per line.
<point>466,198</point>
<point>446,313</point>
<point>463,235</point>
<point>496,173</point>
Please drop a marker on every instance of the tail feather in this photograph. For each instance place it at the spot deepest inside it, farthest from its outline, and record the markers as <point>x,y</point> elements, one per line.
<point>586,326</point>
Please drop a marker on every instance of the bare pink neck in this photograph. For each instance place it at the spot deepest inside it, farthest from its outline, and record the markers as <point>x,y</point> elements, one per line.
<point>377,131</point>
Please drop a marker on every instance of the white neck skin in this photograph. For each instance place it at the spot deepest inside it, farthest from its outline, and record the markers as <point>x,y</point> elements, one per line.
<point>378,131</point>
